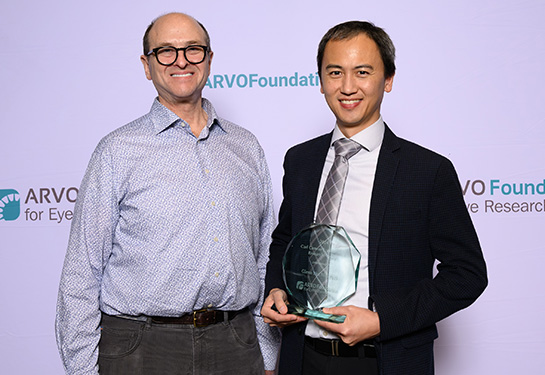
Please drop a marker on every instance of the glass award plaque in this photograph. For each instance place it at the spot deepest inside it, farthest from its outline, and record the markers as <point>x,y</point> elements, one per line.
<point>321,267</point>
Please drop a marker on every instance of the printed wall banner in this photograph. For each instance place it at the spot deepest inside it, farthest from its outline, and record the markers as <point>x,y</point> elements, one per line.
<point>467,85</point>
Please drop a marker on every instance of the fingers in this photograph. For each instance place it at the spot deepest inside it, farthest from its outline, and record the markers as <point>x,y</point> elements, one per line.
<point>337,310</point>
<point>280,318</point>
<point>360,324</point>
<point>334,327</point>
<point>280,301</point>
<point>337,328</point>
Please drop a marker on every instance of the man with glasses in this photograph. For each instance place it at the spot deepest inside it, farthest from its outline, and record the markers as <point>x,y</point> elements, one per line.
<point>164,272</point>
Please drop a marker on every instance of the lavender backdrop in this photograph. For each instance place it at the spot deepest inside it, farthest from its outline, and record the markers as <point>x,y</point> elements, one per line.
<point>469,85</point>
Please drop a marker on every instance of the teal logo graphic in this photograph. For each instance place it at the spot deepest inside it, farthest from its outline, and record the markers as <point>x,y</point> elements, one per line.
<point>10,205</point>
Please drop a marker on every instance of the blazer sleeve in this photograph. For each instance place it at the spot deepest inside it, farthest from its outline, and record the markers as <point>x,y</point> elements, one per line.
<point>446,237</point>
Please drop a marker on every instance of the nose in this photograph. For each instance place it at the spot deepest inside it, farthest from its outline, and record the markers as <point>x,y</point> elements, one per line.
<point>180,60</point>
<point>348,85</point>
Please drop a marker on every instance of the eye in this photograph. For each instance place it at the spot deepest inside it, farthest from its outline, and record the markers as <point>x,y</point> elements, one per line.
<point>335,73</point>
<point>166,51</point>
<point>363,72</point>
<point>194,50</point>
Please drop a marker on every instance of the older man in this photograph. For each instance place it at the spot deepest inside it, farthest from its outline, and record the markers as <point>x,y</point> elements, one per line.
<point>401,205</point>
<point>164,272</point>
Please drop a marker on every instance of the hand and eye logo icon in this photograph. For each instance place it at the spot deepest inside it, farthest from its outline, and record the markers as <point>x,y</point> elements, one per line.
<point>10,204</point>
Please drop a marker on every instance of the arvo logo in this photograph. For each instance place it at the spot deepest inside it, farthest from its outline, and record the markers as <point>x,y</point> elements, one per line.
<point>53,201</point>
<point>10,205</point>
<point>498,187</point>
<point>43,204</point>
<point>505,197</point>
<point>228,81</point>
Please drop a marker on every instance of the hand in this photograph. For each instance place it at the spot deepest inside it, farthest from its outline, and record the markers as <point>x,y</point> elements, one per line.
<point>360,324</point>
<point>278,298</point>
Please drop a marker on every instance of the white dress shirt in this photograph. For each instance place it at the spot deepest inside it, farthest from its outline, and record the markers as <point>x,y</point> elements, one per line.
<point>354,210</point>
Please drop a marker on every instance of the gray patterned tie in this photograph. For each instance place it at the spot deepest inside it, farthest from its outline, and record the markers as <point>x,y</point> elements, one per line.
<point>328,208</point>
<point>328,212</point>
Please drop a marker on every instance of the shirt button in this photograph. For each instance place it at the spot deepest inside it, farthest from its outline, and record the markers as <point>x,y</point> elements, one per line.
<point>210,305</point>
<point>217,274</point>
<point>216,239</point>
<point>207,171</point>
<point>324,333</point>
<point>212,203</point>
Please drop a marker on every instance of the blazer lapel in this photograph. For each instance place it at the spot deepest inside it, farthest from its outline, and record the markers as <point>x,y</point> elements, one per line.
<point>384,179</point>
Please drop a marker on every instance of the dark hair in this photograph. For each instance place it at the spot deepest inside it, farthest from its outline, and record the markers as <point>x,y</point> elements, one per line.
<point>351,29</point>
<point>145,40</point>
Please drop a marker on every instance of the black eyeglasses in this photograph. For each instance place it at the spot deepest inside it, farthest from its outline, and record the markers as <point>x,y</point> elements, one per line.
<point>168,55</point>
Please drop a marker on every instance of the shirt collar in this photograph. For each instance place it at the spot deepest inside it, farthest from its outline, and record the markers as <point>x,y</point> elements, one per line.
<point>163,118</point>
<point>370,138</point>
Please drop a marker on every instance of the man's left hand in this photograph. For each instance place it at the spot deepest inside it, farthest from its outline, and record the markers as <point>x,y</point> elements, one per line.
<point>360,324</point>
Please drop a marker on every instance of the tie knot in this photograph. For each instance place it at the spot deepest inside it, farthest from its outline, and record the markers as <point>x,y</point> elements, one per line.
<point>346,147</point>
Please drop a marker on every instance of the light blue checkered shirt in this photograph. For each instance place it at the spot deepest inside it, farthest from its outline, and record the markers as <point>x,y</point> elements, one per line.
<point>166,223</point>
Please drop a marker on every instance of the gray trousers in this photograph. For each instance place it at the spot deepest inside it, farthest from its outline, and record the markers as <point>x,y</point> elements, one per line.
<point>145,348</point>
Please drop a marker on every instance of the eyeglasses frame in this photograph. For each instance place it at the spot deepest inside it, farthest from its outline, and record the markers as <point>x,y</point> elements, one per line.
<point>154,52</point>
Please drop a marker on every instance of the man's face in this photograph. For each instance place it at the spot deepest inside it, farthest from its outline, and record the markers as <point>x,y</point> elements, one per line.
<point>353,83</point>
<point>180,82</point>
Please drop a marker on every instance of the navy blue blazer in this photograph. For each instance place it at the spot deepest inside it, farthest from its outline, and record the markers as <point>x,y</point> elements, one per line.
<point>417,216</point>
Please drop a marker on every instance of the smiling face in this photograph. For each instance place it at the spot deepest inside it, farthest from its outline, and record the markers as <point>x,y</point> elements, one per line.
<point>181,82</point>
<point>353,82</point>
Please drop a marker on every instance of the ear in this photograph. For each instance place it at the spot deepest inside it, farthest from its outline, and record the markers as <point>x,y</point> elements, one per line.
<point>145,61</point>
<point>388,83</point>
<point>211,54</point>
<point>209,67</point>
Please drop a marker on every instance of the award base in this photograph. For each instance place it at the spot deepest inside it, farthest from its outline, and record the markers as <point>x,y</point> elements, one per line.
<point>314,314</point>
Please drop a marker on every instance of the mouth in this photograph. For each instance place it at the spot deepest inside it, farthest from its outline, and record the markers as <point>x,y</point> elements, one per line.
<point>181,75</point>
<point>350,103</point>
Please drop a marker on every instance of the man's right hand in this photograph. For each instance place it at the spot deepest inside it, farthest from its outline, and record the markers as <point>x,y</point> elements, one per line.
<point>279,299</point>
